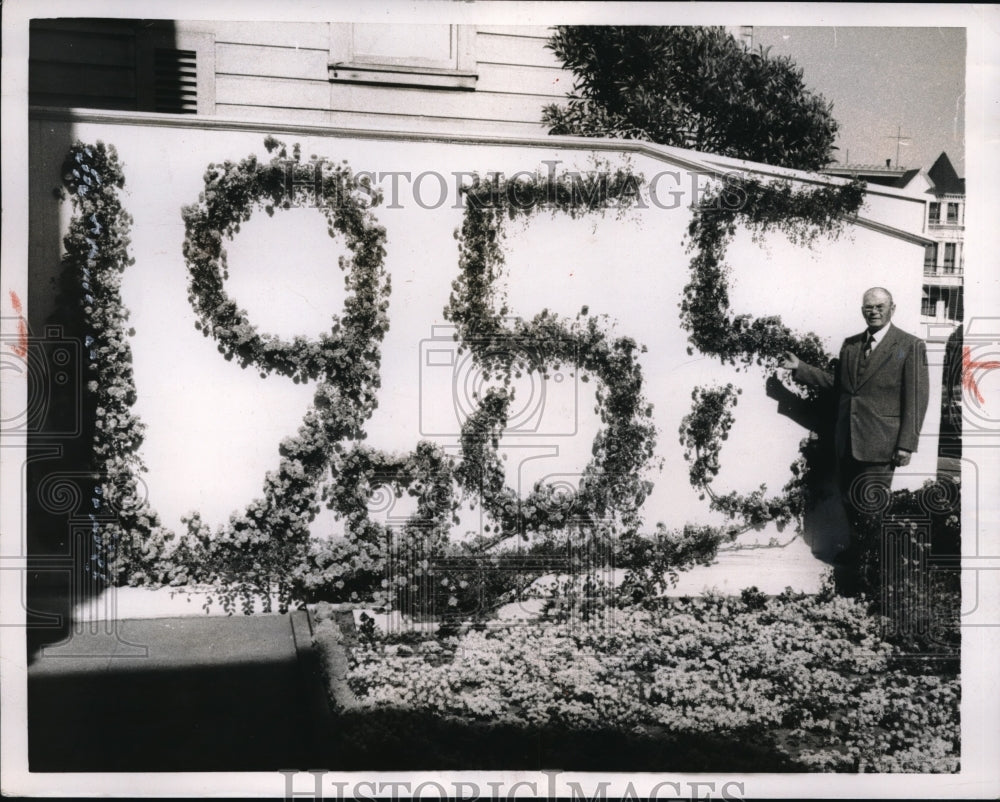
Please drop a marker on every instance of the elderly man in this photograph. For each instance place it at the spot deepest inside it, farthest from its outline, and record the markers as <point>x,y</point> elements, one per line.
<point>882,386</point>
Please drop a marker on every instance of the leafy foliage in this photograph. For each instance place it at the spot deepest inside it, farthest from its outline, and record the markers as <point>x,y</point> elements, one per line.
<point>267,549</point>
<point>653,562</point>
<point>802,216</point>
<point>613,487</point>
<point>909,568</point>
<point>704,429</point>
<point>809,675</point>
<point>394,565</point>
<point>127,540</point>
<point>257,552</point>
<point>818,676</point>
<point>266,552</point>
<point>742,340</point>
<point>692,87</point>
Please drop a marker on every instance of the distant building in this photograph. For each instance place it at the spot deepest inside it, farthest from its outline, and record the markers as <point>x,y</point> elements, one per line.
<point>944,259</point>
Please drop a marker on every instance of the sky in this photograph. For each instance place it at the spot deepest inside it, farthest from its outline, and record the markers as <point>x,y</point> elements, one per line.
<point>881,81</point>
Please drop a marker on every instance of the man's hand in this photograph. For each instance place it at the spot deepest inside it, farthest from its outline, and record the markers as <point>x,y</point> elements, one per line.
<point>901,457</point>
<point>791,361</point>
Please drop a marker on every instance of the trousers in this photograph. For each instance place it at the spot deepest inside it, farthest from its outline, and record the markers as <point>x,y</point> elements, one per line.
<point>865,490</point>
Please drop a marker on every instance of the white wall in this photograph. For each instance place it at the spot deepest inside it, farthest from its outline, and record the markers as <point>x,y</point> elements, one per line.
<point>213,429</point>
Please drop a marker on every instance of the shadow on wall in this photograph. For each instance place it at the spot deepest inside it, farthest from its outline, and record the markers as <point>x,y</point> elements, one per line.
<point>825,527</point>
<point>74,63</point>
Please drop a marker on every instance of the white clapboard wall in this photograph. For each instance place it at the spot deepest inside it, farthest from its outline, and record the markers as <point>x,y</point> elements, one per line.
<point>281,71</point>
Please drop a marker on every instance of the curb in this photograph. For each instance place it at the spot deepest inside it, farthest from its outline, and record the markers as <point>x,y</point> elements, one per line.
<point>311,675</point>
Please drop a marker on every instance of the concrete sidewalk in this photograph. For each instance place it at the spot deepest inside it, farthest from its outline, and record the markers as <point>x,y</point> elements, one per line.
<point>175,694</point>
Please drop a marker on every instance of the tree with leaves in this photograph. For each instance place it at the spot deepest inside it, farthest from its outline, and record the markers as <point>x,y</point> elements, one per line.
<point>691,87</point>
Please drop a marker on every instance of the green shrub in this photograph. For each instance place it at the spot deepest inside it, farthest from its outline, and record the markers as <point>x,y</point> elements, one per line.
<point>908,568</point>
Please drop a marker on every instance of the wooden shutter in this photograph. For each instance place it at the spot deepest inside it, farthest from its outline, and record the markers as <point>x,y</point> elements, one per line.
<point>175,80</point>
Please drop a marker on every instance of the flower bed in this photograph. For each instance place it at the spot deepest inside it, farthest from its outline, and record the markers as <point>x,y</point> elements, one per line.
<point>809,681</point>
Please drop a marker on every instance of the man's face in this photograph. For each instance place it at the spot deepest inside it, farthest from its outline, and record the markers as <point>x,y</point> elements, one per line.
<point>877,308</point>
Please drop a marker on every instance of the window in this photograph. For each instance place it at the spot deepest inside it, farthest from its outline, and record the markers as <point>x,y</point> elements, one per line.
<point>928,303</point>
<point>950,299</point>
<point>952,212</point>
<point>934,213</point>
<point>930,257</point>
<point>431,56</point>
<point>949,257</point>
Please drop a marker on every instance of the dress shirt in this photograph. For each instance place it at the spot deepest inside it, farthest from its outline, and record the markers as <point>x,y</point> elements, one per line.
<point>876,338</point>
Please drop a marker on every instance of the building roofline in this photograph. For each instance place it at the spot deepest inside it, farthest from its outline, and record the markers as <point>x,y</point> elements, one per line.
<point>708,164</point>
<point>871,169</point>
<point>809,177</point>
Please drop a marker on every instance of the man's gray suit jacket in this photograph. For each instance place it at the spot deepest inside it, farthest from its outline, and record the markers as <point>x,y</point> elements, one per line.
<point>881,405</point>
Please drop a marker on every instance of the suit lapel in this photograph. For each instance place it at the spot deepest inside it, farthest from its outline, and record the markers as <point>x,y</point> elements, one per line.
<point>878,357</point>
<point>854,360</point>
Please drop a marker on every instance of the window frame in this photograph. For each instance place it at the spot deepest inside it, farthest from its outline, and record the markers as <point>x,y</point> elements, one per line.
<point>347,66</point>
<point>928,304</point>
<point>931,257</point>
<point>950,257</point>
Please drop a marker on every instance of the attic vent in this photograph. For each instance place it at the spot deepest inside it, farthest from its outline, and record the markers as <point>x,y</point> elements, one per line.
<point>175,74</point>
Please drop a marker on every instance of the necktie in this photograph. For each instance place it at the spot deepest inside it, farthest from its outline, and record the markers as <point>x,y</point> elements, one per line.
<point>868,347</point>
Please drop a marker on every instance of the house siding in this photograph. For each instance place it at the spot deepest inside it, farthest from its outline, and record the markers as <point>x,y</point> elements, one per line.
<point>280,71</point>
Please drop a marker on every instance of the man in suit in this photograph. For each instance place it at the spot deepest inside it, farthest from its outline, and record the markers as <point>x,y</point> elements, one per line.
<point>881,383</point>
